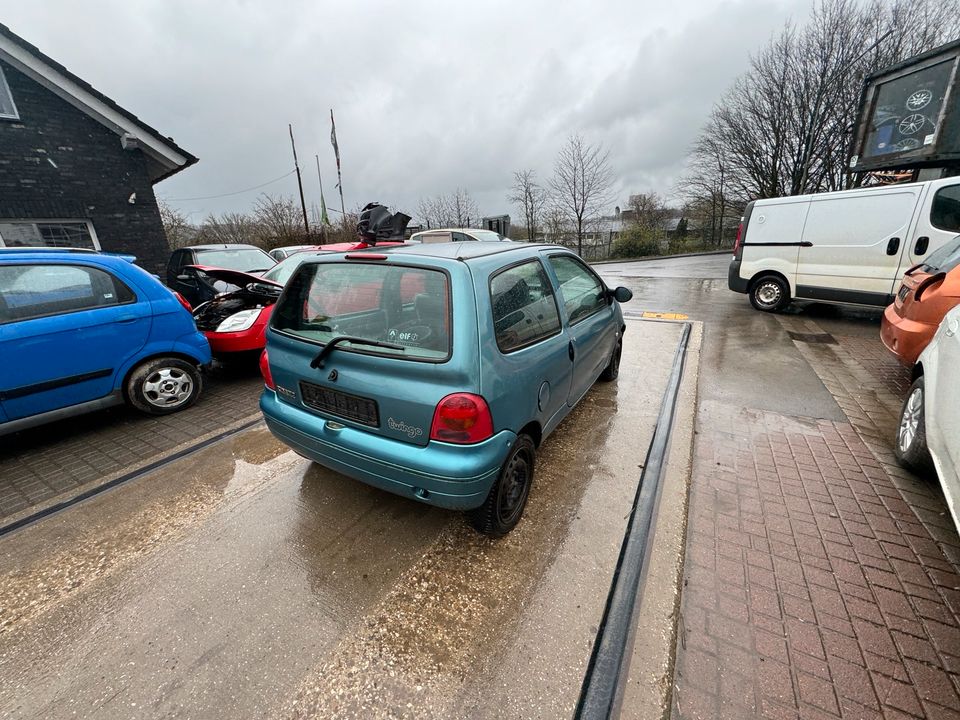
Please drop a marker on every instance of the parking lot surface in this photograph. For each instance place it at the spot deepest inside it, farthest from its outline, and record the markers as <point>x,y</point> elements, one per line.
<point>48,463</point>
<point>821,580</point>
<point>244,581</point>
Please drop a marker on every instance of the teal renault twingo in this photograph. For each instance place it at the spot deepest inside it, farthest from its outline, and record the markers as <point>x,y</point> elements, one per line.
<point>434,371</point>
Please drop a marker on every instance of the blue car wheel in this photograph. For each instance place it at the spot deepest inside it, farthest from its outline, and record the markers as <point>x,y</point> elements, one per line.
<point>163,385</point>
<point>503,508</point>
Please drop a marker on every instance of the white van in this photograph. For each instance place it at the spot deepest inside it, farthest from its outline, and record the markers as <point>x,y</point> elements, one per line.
<point>842,247</point>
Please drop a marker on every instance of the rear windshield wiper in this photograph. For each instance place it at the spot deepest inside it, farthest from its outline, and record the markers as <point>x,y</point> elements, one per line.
<point>317,362</point>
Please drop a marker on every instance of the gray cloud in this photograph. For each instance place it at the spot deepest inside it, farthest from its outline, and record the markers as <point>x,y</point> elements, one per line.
<point>428,95</point>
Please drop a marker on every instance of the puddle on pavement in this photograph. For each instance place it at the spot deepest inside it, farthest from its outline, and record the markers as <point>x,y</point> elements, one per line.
<point>438,643</point>
<point>111,531</point>
<point>253,580</point>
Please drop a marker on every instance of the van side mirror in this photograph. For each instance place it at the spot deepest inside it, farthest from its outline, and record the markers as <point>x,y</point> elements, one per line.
<point>622,294</point>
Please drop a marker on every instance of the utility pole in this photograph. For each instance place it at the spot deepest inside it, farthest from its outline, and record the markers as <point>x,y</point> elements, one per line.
<point>303,204</point>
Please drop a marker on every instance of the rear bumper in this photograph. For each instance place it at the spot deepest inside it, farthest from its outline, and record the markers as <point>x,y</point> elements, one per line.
<point>458,477</point>
<point>734,281</point>
<point>903,337</point>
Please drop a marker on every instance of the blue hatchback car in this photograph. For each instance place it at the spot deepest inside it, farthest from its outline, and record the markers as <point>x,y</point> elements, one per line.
<point>80,330</point>
<point>434,371</point>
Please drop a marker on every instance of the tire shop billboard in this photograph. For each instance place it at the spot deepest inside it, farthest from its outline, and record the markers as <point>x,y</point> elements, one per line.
<point>909,114</point>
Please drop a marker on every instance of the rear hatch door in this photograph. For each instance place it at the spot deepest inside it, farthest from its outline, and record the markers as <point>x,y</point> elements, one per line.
<point>398,347</point>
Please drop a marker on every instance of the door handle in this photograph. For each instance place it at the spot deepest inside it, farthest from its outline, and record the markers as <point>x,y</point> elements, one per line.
<point>922,244</point>
<point>893,245</point>
<point>571,350</point>
<point>126,319</point>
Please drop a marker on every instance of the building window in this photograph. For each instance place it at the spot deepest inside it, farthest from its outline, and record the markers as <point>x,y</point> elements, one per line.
<point>48,233</point>
<point>7,107</point>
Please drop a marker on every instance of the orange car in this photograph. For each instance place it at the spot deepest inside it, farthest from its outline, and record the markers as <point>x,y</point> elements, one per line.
<point>928,292</point>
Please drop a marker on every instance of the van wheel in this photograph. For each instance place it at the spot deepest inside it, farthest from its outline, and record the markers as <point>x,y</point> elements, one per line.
<point>911,445</point>
<point>163,385</point>
<point>502,509</point>
<point>770,294</point>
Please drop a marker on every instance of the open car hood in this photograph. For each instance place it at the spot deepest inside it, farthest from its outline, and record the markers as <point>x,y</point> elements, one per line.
<point>233,277</point>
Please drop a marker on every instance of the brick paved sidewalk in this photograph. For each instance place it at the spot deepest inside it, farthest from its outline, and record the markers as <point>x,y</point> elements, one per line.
<point>821,581</point>
<point>38,465</point>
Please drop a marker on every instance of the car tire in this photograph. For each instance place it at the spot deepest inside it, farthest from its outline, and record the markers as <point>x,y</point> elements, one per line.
<point>769,294</point>
<point>503,508</point>
<point>163,385</point>
<point>910,446</point>
<point>612,370</point>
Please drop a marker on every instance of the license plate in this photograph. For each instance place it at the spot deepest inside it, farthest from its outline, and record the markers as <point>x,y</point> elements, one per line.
<point>350,407</point>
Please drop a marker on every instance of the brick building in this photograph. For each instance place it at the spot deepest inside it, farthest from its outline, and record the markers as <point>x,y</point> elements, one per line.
<point>76,169</point>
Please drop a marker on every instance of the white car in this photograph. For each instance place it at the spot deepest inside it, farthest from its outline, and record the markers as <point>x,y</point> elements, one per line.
<point>456,235</point>
<point>928,437</point>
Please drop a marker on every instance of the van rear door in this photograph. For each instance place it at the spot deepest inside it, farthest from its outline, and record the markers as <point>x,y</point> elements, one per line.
<point>852,244</point>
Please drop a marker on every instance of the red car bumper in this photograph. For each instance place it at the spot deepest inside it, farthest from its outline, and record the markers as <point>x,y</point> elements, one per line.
<point>249,340</point>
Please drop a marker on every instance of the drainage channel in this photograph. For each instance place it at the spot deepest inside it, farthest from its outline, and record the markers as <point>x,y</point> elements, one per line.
<point>602,691</point>
<point>127,477</point>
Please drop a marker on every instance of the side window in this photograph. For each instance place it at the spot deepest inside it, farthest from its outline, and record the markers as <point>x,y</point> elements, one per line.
<point>945,209</point>
<point>460,237</point>
<point>524,309</point>
<point>30,291</point>
<point>582,292</point>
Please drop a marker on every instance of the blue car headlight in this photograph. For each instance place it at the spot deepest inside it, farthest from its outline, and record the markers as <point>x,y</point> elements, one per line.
<point>242,320</point>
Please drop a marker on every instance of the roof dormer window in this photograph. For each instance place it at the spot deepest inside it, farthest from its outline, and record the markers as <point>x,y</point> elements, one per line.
<point>7,107</point>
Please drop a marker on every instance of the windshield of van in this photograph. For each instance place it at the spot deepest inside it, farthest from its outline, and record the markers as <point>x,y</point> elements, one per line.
<point>945,259</point>
<point>404,306</point>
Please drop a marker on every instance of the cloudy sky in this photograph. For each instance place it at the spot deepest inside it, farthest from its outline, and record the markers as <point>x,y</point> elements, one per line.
<point>428,95</point>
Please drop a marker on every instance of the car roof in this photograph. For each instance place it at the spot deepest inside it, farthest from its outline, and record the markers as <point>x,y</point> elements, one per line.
<point>222,246</point>
<point>456,251</point>
<point>47,253</point>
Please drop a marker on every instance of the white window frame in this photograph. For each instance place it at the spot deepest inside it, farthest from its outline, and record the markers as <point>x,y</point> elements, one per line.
<point>54,221</point>
<point>5,88</point>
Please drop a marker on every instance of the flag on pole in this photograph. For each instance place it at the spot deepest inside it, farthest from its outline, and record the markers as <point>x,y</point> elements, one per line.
<point>324,218</point>
<point>333,139</point>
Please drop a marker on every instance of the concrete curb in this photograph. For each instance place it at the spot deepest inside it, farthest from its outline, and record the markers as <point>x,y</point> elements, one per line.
<point>648,691</point>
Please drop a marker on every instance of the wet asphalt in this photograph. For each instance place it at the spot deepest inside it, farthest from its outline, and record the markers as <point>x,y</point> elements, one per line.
<point>243,581</point>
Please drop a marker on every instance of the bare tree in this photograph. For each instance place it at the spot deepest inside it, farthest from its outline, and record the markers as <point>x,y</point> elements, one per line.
<point>458,209</point>
<point>176,227</point>
<point>581,183</point>
<point>230,228</point>
<point>280,220</point>
<point>527,194</point>
<point>783,128</point>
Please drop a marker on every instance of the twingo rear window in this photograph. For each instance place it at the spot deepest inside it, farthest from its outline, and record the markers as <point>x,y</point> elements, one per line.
<point>405,307</point>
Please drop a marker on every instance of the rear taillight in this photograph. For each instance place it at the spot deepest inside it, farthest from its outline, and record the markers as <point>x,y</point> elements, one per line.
<point>461,418</point>
<point>183,301</point>
<point>265,371</point>
<point>736,243</point>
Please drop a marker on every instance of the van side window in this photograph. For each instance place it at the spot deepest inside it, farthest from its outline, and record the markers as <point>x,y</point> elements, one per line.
<point>583,293</point>
<point>31,291</point>
<point>945,210</point>
<point>524,309</point>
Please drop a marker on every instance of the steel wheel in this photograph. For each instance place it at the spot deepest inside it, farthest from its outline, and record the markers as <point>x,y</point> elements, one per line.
<point>514,488</point>
<point>769,294</point>
<point>504,505</point>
